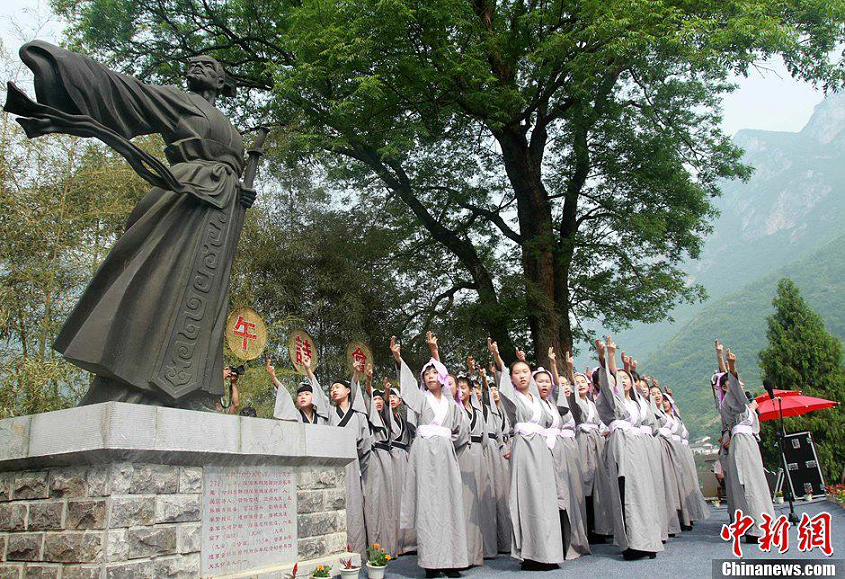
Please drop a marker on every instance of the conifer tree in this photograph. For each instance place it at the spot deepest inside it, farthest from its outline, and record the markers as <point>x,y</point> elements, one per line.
<point>803,355</point>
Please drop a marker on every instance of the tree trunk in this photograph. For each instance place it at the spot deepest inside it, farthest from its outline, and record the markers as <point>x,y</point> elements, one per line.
<point>496,318</point>
<point>539,245</point>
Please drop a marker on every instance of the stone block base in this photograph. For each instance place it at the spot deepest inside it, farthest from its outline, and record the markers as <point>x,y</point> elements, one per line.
<point>126,505</point>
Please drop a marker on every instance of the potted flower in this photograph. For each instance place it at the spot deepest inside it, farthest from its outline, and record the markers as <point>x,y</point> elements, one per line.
<point>377,559</point>
<point>322,571</point>
<point>349,570</point>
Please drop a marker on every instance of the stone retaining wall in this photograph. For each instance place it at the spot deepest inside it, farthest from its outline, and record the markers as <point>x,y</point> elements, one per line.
<point>127,520</point>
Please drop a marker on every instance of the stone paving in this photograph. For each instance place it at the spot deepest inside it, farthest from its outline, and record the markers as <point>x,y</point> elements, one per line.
<point>687,556</point>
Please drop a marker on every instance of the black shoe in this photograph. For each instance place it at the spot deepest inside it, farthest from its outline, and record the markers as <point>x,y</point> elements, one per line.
<point>452,573</point>
<point>594,539</point>
<point>634,554</point>
<point>430,573</point>
<point>686,527</point>
<point>672,535</point>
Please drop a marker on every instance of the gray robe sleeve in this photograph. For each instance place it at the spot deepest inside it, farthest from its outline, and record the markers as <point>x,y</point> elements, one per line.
<point>411,395</point>
<point>284,408</point>
<point>322,406</point>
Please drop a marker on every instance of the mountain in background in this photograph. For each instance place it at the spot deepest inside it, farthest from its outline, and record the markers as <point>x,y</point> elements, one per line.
<point>786,220</point>
<point>688,359</point>
<point>791,206</point>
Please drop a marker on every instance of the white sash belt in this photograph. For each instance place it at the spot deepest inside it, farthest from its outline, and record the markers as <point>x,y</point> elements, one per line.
<point>550,434</point>
<point>685,442</point>
<point>644,429</point>
<point>623,425</point>
<point>585,426</point>
<point>528,429</point>
<point>430,430</point>
<point>676,438</point>
<point>742,429</point>
<point>665,432</point>
<point>567,433</point>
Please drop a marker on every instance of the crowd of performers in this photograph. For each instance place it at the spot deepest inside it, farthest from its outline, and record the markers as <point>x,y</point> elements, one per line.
<point>533,462</point>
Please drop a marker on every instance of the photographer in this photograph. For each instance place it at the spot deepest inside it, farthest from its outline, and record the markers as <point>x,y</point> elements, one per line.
<point>231,374</point>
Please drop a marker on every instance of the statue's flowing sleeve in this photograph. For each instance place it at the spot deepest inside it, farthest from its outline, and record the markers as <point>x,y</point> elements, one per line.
<point>77,85</point>
<point>77,96</point>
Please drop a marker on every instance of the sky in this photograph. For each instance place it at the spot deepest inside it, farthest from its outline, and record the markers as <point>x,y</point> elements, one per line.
<point>766,100</point>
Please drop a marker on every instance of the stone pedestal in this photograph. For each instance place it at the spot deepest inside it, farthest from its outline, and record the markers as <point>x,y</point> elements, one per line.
<point>121,490</point>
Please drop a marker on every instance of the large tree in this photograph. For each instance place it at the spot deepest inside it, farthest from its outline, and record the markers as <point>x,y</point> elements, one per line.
<point>803,355</point>
<point>575,145</point>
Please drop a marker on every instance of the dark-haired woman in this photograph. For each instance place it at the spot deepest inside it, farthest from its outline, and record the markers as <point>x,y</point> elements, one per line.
<point>632,504</point>
<point>351,413</point>
<point>590,439</point>
<point>499,463</point>
<point>745,477</point>
<point>378,503</point>
<point>537,539</point>
<point>470,460</point>
<point>560,438</point>
<point>402,436</point>
<point>432,503</point>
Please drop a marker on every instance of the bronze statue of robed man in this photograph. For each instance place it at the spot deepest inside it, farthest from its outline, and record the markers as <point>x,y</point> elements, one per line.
<point>150,323</point>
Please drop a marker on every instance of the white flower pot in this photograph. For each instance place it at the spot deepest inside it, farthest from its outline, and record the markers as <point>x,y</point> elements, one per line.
<point>374,572</point>
<point>349,573</point>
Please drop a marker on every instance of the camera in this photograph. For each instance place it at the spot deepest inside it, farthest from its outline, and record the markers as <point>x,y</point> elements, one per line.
<point>237,370</point>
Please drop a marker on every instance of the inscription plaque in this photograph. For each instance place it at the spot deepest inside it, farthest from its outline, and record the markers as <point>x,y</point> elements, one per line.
<point>249,518</point>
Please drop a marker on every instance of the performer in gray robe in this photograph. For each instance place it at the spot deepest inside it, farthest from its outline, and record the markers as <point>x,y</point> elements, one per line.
<point>537,539</point>
<point>470,461</point>
<point>648,427</point>
<point>402,436</point>
<point>378,502</point>
<point>489,449</point>
<point>499,464</point>
<point>350,413</point>
<point>695,504</point>
<point>633,503</point>
<point>560,438</point>
<point>150,323</point>
<point>312,405</point>
<point>590,439</point>
<point>432,497</point>
<point>671,464</point>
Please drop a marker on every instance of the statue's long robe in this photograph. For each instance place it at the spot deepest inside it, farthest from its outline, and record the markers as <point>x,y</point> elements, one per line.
<point>154,314</point>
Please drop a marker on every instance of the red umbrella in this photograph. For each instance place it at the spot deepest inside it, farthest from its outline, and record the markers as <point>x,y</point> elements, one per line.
<point>793,402</point>
<point>782,393</point>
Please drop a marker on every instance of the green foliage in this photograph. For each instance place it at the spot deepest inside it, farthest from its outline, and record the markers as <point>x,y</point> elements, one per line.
<point>574,145</point>
<point>803,355</point>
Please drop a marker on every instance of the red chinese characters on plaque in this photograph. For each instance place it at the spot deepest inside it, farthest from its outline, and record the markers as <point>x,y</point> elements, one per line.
<point>358,352</point>
<point>246,333</point>
<point>249,518</point>
<point>302,346</point>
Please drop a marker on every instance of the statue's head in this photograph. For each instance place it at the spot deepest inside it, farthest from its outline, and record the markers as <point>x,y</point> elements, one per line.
<point>206,73</point>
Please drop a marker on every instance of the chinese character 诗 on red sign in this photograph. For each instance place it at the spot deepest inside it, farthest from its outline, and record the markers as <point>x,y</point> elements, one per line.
<point>246,330</point>
<point>303,350</point>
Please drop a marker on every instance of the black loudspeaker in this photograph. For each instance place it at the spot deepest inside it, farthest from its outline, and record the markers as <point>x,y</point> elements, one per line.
<point>803,470</point>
